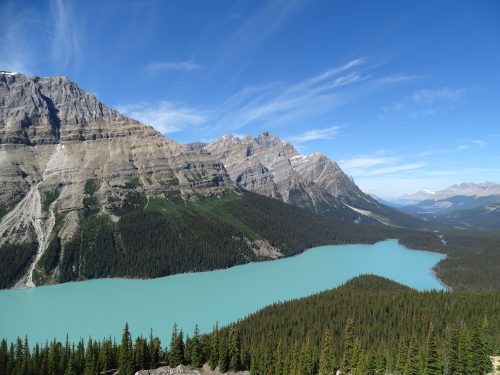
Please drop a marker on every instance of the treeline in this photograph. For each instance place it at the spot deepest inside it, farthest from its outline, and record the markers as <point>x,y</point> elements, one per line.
<point>465,353</point>
<point>14,260</point>
<point>473,257</point>
<point>165,236</point>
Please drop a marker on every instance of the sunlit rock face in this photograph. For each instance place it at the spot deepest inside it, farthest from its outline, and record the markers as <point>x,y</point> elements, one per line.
<point>55,138</point>
<point>273,167</point>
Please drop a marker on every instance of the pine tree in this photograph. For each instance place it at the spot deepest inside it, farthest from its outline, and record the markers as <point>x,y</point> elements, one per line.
<point>371,365</point>
<point>234,349</point>
<point>125,361</point>
<point>90,363</point>
<point>307,363</point>
<point>26,359</point>
<point>105,356</point>
<point>196,356</point>
<point>402,355</point>
<point>4,357</point>
<point>70,367</point>
<point>327,357</point>
<point>413,359</point>
<point>346,364</point>
<point>432,366</point>
<point>279,360</point>
<point>466,353</point>
<point>254,368</point>
<point>176,353</point>
<point>54,358</point>
<point>454,363</point>
<point>381,367</point>
<point>214,347</point>
<point>223,354</point>
<point>154,350</point>
<point>480,350</point>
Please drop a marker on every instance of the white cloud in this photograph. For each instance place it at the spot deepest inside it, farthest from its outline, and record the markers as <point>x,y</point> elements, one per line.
<point>367,162</point>
<point>29,38</point>
<point>424,103</point>
<point>395,169</point>
<point>165,117</point>
<point>315,134</point>
<point>65,44</point>
<point>277,102</point>
<point>480,143</point>
<point>172,65</point>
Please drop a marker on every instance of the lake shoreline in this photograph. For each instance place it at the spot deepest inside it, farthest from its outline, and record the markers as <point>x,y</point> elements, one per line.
<point>238,265</point>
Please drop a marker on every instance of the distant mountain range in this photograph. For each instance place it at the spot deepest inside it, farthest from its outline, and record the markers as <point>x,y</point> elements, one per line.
<point>86,192</point>
<point>464,205</point>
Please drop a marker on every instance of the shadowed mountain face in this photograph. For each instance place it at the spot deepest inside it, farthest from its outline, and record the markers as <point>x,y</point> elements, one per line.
<point>270,166</point>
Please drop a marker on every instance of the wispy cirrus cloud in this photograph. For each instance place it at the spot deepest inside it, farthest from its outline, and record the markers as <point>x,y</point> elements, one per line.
<point>65,39</point>
<point>162,66</point>
<point>279,102</point>
<point>165,117</point>
<point>274,103</point>
<point>29,38</point>
<point>315,134</point>
<point>480,143</point>
<point>379,163</point>
<point>364,162</point>
<point>396,169</point>
<point>423,103</point>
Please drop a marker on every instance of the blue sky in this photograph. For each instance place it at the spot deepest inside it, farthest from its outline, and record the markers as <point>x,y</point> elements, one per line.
<point>404,95</point>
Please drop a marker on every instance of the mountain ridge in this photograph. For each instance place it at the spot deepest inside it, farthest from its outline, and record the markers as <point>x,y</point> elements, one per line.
<point>273,167</point>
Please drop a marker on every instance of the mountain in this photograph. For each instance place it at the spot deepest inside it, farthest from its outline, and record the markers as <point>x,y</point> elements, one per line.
<point>272,167</point>
<point>86,192</point>
<point>464,206</point>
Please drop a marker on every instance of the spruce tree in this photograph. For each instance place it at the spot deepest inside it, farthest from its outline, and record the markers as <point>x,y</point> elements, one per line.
<point>347,347</point>
<point>308,362</point>
<point>223,354</point>
<point>454,360</point>
<point>412,366</point>
<point>402,355</point>
<point>90,363</point>
<point>214,347</point>
<point>234,349</point>
<point>432,366</point>
<point>279,360</point>
<point>196,355</point>
<point>480,350</point>
<point>327,357</point>
<point>4,357</point>
<point>176,353</point>
<point>125,361</point>
<point>154,350</point>
<point>371,365</point>
<point>26,359</point>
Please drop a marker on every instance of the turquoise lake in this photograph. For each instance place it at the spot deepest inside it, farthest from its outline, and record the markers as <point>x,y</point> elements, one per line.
<point>101,307</point>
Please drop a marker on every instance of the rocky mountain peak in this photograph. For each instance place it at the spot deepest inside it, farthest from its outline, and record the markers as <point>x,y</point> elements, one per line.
<point>273,167</point>
<point>44,110</point>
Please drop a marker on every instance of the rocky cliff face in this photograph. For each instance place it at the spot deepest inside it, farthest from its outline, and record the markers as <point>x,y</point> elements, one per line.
<point>273,167</point>
<point>55,138</point>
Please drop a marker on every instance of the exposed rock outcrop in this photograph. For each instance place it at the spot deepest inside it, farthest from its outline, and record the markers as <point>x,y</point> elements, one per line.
<point>185,370</point>
<point>55,137</point>
<point>270,166</point>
